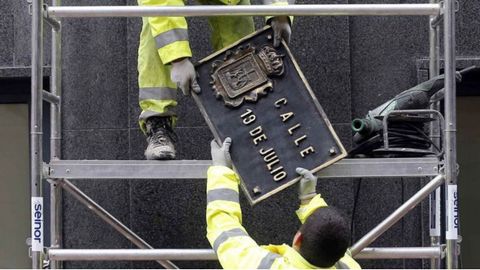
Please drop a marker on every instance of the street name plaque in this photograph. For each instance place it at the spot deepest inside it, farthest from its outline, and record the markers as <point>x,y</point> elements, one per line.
<point>257,95</point>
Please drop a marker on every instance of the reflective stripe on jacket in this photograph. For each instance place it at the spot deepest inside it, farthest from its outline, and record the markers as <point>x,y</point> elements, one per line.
<point>234,247</point>
<point>170,33</point>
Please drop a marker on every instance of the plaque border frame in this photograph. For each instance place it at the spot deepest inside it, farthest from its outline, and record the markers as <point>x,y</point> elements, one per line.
<point>342,151</point>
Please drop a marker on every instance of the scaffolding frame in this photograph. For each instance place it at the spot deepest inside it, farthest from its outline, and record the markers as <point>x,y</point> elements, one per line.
<point>443,171</point>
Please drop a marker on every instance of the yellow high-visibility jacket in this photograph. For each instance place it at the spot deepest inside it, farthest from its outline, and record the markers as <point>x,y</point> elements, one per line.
<point>234,247</point>
<point>165,39</point>
<point>171,35</point>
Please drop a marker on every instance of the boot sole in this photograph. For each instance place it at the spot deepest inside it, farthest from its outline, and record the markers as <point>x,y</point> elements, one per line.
<point>164,156</point>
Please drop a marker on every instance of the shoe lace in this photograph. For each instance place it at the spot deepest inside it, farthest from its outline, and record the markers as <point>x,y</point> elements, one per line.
<point>158,129</point>
<point>159,138</point>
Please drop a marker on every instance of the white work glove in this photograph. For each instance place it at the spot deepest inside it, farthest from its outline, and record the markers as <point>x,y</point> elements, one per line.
<point>184,76</point>
<point>221,155</point>
<point>308,184</point>
<point>281,29</point>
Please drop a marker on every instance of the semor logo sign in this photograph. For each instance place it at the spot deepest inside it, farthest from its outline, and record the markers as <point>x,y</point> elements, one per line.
<point>37,223</point>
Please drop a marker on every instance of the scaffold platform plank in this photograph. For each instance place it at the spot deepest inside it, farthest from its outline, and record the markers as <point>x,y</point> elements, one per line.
<point>197,169</point>
<point>209,254</point>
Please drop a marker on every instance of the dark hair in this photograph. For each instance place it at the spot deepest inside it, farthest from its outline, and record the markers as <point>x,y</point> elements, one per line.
<point>325,237</point>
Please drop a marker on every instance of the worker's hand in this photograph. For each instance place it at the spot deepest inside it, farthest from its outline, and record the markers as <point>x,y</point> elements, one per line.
<point>308,184</point>
<point>221,155</point>
<point>281,29</point>
<point>184,76</point>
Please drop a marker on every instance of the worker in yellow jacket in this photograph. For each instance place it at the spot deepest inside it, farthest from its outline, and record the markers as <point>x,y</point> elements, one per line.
<point>164,65</point>
<point>321,242</point>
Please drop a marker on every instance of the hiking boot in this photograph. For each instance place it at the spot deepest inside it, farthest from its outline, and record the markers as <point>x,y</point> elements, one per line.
<point>160,138</point>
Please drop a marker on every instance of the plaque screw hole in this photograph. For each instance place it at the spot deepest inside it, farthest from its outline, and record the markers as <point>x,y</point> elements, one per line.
<point>332,151</point>
<point>257,190</point>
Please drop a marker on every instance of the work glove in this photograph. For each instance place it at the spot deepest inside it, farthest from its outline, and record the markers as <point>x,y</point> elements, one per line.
<point>221,155</point>
<point>281,29</point>
<point>184,76</point>
<point>307,186</point>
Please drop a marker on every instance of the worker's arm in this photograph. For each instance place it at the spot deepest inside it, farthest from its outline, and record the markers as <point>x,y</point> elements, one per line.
<point>311,201</point>
<point>307,194</point>
<point>234,247</point>
<point>170,33</point>
<point>171,37</point>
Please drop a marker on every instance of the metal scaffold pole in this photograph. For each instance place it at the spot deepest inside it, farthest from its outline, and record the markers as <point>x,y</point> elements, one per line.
<point>434,40</point>
<point>107,217</point>
<point>396,215</point>
<point>435,197</point>
<point>36,135</point>
<point>209,254</point>
<point>451,170</point>
<point>247,10</point>
<point>55,141</point>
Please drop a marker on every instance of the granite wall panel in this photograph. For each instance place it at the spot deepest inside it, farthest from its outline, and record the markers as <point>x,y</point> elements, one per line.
<point>82,228</point>
<point>412,223</point>
<point>95,74</point>
<point>383,54</point>
<point>377,199</point>
<point>15,42</point>
<point>7,8</point>
<point>95,80</point>
<point>467,30</point>
<point>323,56</point>
<point>134,27</point>
<point>6,38</point>
<point>170,214</point>
<point>22,37</point>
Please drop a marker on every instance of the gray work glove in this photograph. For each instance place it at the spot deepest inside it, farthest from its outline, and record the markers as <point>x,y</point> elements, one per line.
<point>308,184</point>
<point>221,155</point>
<point>184,76</point>
<point>281,29</point>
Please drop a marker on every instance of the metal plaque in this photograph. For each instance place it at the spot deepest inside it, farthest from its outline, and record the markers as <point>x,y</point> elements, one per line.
<point>257,95</point>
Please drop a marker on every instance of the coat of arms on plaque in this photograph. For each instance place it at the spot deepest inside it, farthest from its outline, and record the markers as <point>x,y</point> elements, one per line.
<point>243,75</point>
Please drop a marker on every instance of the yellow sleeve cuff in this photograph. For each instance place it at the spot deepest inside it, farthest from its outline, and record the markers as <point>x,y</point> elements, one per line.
<point>222,177</point>
<point>306,210</point>
<point>174,51</point>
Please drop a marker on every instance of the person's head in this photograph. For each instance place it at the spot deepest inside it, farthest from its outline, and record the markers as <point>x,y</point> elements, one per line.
<point>323,238</point>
